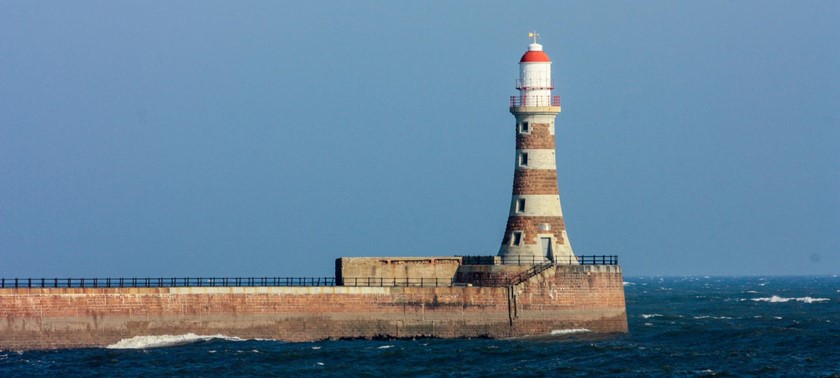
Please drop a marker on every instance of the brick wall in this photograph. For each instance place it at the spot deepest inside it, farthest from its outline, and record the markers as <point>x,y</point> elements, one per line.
<point>428,268</point>
<point>535,181</point>
<point>540,137</point>
<point>561,298</point>
<point>530,228</point>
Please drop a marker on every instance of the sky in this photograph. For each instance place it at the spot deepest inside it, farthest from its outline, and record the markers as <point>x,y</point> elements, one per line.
<point>267,138</point>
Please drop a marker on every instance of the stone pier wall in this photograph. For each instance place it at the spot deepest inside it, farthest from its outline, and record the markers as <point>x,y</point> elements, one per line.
<point>562,298</point>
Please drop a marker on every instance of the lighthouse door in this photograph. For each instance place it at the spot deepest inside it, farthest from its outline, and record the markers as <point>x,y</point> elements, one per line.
<point>546,248</point>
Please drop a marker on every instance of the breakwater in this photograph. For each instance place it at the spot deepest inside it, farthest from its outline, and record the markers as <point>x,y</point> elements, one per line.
<point>558,297</point>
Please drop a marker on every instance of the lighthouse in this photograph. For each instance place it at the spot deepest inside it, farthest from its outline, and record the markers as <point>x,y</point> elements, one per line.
<point>535,231</point>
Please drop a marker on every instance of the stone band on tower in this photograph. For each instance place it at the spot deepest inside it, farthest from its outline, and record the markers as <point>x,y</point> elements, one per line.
<point>535,229</point>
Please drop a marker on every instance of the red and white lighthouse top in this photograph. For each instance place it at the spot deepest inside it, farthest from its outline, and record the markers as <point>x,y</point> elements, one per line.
<point>535,54</point>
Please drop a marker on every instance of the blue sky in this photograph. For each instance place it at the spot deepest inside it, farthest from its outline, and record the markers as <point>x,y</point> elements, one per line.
<point>268,138</point>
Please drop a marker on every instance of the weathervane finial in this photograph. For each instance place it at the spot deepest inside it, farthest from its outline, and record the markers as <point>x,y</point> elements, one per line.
<point>533,35</point>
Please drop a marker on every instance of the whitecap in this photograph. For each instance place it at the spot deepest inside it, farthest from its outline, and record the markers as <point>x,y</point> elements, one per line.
<point>778,299</point>
<point>316,347</point>
<point>319,363</point>
<point>569,331</point>
<point>773,299</point>
<point>628,283</point>
<point>648,316</point>
<point>812,300</point>
<point>385,347</point>
<point>159,341</point>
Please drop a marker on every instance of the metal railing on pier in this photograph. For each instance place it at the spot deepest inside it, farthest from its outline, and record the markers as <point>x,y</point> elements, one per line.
<point>42,283</point>
<point>597,260</point>
<point>533,271</point>
<point>538,265</point>
<point>536,260</point>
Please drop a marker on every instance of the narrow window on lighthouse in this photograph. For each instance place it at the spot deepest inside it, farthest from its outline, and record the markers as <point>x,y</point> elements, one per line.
<point>520,205</point>
<point>517,237</point>
<point>524,128</point>
<point>523,158</point>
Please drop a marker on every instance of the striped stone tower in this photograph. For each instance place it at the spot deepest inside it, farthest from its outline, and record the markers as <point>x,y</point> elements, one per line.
<point>535,229</point>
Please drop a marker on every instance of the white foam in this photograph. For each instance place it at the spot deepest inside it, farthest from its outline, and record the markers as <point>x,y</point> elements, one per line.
<point>159,341</point>
<point>569,331</point>
<point>648,316</point>
<point>628,283</point>
<point>778,299</point>
<point>385,347</point>
<point>812,300</point>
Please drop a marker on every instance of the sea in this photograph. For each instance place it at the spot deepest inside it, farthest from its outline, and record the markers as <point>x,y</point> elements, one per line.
<point>679,327</point>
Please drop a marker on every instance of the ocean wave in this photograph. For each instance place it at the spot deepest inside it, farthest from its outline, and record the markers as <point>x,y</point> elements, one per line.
<point>778,299</point>
<point>648,316</point>
<point>160,341</point>
<point>569,331</point>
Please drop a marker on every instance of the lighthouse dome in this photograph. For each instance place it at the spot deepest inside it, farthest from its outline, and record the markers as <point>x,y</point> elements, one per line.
<point>535,54</point>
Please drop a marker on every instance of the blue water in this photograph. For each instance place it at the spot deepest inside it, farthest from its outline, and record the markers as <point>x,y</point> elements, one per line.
<point>694,326</point>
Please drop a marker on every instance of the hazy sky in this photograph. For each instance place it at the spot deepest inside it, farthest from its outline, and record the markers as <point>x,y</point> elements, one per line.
<point>160,138</point>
